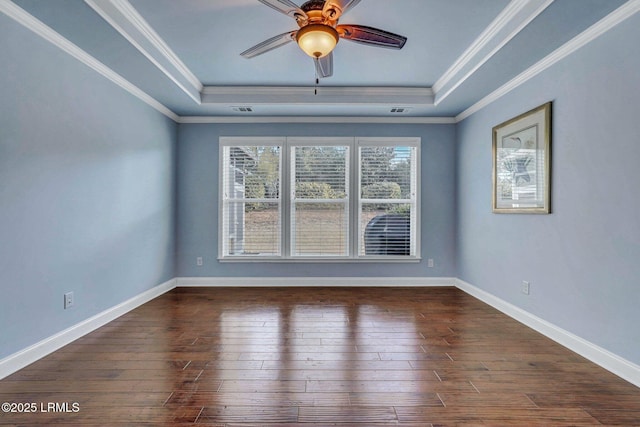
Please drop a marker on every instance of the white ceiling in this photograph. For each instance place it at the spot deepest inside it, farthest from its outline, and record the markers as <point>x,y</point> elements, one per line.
<point>186,54</point>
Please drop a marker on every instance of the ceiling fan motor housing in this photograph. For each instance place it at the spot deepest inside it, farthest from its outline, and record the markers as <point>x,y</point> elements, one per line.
<point>314,9</point>
<point>313,5</point>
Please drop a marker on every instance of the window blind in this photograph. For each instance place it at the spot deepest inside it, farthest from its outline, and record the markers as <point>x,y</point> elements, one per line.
<point>251,200</point>
<point>319,200</point>
<point>387,208</point>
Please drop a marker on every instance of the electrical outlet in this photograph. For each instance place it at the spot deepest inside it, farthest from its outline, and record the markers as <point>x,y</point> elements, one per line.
<point>525,287</point>
<point>199,261</point>
<point>68,300</point>
<point>430,263</point>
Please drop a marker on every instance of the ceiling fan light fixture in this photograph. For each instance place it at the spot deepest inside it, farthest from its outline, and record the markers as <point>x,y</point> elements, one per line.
<point>317,40</point>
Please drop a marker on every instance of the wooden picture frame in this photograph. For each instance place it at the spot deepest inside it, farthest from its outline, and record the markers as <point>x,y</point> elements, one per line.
<point>522,163</point>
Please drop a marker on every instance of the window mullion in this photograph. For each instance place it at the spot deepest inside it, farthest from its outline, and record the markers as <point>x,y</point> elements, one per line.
<point>348,189</point>
<point>354,220</point>
<point>286,172</point>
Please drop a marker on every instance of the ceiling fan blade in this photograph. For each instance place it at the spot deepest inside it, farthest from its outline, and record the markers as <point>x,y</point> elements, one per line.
<point>333,9</point>
<point>287,7</point>
<point>371,36</point>
<point>269,44</point>
<point>324,66</point>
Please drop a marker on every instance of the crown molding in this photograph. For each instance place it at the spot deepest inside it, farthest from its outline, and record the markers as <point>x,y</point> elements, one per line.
<point>315,119</point>
<point>619,15</point>
<point>125,19</point>
<point>327,90</point>
<point>312,95</point>
<point>345,95</point>
<point>482,40</point>
<point>513,19</point>
<point>19,15</point>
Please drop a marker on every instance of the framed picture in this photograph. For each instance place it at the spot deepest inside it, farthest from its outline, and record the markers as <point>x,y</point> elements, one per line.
<point>522,163</point>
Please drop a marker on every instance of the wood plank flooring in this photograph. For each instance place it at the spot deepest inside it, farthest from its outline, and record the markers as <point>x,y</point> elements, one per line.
<point>318,356</point>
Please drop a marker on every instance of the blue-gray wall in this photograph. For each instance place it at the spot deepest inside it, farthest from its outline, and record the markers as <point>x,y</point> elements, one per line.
<point>198,200</point>
<point>98,197</point>
<point>583,260</point>
<point>87,189</point>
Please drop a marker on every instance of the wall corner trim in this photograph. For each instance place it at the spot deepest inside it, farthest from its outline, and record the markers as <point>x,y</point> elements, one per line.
<point>24,357</point>
<point>615,364</point>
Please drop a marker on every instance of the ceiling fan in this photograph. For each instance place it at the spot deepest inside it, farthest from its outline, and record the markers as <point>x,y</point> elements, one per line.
<point>319,31</point>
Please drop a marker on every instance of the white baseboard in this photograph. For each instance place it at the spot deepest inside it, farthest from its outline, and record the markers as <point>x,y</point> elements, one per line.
<point>27,356</point>
<point>598,355</point>
<point>313,281</point>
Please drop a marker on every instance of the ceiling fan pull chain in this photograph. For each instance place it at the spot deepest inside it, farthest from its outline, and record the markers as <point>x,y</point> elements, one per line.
<point>315,90</point>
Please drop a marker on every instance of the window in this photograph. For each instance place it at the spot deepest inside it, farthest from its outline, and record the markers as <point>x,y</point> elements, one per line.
<point>319,199</point>
<point>252,202</point>
<point>387,211</point>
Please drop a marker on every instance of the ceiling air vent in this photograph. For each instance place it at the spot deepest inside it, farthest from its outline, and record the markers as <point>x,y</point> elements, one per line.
<point>399,110</point>
<point>243,109</point>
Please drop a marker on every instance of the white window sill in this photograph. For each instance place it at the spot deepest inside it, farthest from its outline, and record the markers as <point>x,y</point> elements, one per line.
<point>342,260</point>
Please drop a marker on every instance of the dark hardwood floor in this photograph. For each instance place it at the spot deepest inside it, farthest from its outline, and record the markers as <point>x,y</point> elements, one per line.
<point>318,356</point>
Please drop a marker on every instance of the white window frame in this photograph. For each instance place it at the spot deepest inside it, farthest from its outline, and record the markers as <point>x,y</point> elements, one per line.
<point>353,202</point>
<point>413,201</point>
<point>294,142</point>
<point>223,200</point>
